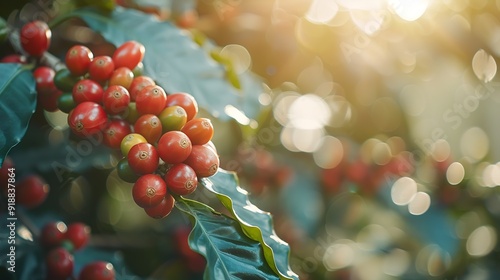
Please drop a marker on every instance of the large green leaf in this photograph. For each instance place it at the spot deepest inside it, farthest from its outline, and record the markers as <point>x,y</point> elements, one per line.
<point>17,104</point>
<point>175,61</point>
<point>230,254</point>
<point>256,223</point>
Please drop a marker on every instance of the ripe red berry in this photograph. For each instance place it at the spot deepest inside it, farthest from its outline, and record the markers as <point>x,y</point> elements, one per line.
<point>181,179</point>
<point>46,89</point>
<point>31,191</point>
<point>115,99</point>
<point>149,190</point>
<point>115,132</point>
<point>101,68</point>
<point>162,209</point>
<point>78,234</point>
<point>13,58</point>
<point>122,77</point>
<point>44,79</point>
<point>87,90</point>
<point>53,234</point>
<point>151,100</point>
<point>186,101</point>
<point>174,147</point>
<point>129,54</point>
<point>88,118</point>
<point>98,270</point>
<point>35,38</point>
<point>59,264</point>
<point>149,126</point>
<point>78,59</point>
<point>138,83</point>
<point>143,158</point>
<point>203,160</point>
<point>199,130</point>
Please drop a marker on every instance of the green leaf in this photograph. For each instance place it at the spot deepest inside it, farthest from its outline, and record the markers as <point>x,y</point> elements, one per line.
<point>230,254</point>
<point>176,62</point>
<point>17,104</point>
<point>104,5</point>
<point>256,223</point>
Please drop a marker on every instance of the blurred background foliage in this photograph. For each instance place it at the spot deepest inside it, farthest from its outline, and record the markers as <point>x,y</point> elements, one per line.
<point>375,146</point>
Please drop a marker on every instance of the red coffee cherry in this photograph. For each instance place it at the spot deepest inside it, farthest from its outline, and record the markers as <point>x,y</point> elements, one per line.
<point>143,158</point>
<point>78,59</point>
<point>138,83</point>
<point>151,100</point>
<point>78,234</point>
<point>115,99</point>
<point>203,160</point>
<point>98,270</point>
<point>129,54</point>
<point>186,101</point>
<point>115,132</point>
<point>149,190</point>
<point>122,77</point>
<point>101,68</point>
<point>88,118</point>
<point>199,131</point>
<point>149,126</point>
<point>87,90</point>
<point>53,234</point>
<point>13,58</point>
<point>181,179</point>
<point>35,38</point>
<point>59,264</point>
<point>162,209</point>
<point>46,89</point>
<point>174,147</point>
<point>31,191</point>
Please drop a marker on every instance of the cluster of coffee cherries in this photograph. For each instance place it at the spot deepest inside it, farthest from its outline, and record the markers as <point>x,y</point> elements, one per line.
<point>166,147</point>
<point>59,242</point>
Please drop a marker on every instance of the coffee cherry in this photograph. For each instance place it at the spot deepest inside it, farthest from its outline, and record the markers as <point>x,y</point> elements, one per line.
<point>78,59</point>
<point>181,179</point>
<point>162,209</point>
<point>203,160</point>
<point>129,141</point>
<point>66,103</point>
<point>173,118</point>
<point>151,100</point>
<point>149,190</point>
<point>13,58</point>
<point>78,234</point>
<point>101,68</point>
<point>53,234</point>
<point>174,147</point>
<point>46,89</point>
<point>211,145</point>
<point>125,172</point>
<point>35,38</point>
<point>87,90</point>
<point>64,81</point>
<point>115,132</point>
<point>138,83</point>
<point>186,101</point>
<point>129,54</point>
<point>149,126</point>
<point>98,270</point>
<point>31,191</point>
<point>88,118</point>
<point>115,99</point>
<point>122,77</point>
<point>143,158</point>
<point>199,131</point>
<point>59,264</point>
